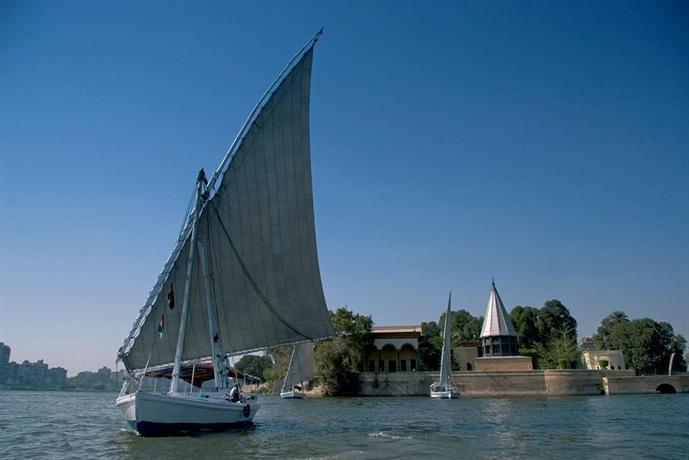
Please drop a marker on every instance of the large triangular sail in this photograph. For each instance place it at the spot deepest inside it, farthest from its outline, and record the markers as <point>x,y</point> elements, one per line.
<point>301,366</point>
<point>258,232</point>
<point>445,358</point>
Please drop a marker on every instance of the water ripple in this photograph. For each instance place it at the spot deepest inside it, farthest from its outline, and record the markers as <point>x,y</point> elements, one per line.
<point>70,425</point>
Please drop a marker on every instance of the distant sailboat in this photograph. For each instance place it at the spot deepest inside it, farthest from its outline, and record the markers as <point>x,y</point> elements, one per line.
<point>300,370</point>
<point>443,388</point>
<point>245,267</point>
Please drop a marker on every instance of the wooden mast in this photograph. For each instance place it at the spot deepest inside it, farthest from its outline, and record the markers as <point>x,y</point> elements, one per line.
<point>200,192</point>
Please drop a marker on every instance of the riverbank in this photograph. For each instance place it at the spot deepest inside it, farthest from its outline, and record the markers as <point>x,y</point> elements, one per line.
<point>576,382</point>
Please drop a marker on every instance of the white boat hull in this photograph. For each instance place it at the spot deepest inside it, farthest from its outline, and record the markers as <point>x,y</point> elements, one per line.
<point>294,394</point>
<point>445,393</point>
<point>153,414</point>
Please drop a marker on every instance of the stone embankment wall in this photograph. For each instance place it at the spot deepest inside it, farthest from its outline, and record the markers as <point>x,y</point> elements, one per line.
<point>503,364</point>
<point>617,385</point>
<point>482,384</point>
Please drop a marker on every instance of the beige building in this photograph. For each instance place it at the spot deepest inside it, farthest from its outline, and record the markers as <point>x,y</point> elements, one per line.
<point>464,354</point>
<point>394,349</point>
<point>603,359</point>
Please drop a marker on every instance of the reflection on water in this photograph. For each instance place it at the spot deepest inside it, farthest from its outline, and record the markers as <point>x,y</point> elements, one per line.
<point>65,425</point>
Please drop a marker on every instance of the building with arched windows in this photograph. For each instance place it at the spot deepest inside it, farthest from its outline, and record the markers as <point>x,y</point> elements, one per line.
<point>394,349</point>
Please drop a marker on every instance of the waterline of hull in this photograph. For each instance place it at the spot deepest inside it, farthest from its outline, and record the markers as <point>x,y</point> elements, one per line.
<point>157,414</point>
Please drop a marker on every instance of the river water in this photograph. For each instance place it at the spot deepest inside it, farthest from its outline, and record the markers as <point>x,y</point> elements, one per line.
<point>66,425</point>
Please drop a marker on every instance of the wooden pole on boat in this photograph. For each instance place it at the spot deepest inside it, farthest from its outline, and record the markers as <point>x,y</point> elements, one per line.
<point>193,370</point>
<point>200,191</point>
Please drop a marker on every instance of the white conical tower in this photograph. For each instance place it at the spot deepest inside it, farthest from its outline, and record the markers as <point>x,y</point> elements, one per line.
<point>498,336</point>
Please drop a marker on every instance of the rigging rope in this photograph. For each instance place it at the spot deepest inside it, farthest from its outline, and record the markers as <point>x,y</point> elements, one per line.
<point>186,213</point>
<point>250,278</point>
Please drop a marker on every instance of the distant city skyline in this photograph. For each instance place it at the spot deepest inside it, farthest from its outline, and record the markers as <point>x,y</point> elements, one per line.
<point>39,375</point>
<point>544,144</point>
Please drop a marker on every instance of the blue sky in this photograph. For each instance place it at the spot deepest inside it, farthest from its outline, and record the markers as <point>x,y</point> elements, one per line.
<point>543,143</point>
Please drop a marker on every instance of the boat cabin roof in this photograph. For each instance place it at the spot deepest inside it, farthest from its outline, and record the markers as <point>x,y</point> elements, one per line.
<point>201,371</point>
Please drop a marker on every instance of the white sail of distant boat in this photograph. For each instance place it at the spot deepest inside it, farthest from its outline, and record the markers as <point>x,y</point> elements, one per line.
<point>443,388</point>
<point>245,268</point>
<point>300,370</point>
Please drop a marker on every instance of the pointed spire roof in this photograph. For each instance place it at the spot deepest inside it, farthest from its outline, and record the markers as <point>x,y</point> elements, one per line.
<point>496,323</point>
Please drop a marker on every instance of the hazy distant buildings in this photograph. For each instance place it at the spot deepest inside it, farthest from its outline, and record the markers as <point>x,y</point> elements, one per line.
<point>28,374</point>
<point>587,344</point>
<point>103,379</point>
<point>5,351</point>
<point>32,374</point>
<point>56,377</point>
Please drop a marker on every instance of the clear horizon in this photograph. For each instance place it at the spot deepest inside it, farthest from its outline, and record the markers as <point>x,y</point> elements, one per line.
<point>544,144</point>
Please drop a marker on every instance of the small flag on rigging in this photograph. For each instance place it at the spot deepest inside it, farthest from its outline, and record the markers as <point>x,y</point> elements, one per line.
<point>161,325</point>
<point>171,297</point>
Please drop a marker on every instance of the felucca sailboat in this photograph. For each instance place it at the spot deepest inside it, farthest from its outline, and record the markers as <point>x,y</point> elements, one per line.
<point>300,369</point>
<point>245,267</point>
<point>443,388</point>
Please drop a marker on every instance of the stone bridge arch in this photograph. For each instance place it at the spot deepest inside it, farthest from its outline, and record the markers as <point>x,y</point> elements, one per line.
<point>666,388</point>
<point>649,384</point>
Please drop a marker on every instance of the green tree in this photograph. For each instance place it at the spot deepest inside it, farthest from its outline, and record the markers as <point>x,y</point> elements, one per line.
<point>464,326</point>
<point>280,358</point>
<point>525,320</point>
<point>340,361</point>
<point>430,329</point>
<point>679,346</point>
<point>430,346</point>
<point>254,365</point>
<point>602,335</point>
<point>646,344</point>
<point>553,318</point>
<point>541,334</point>
<point>560,352</point>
